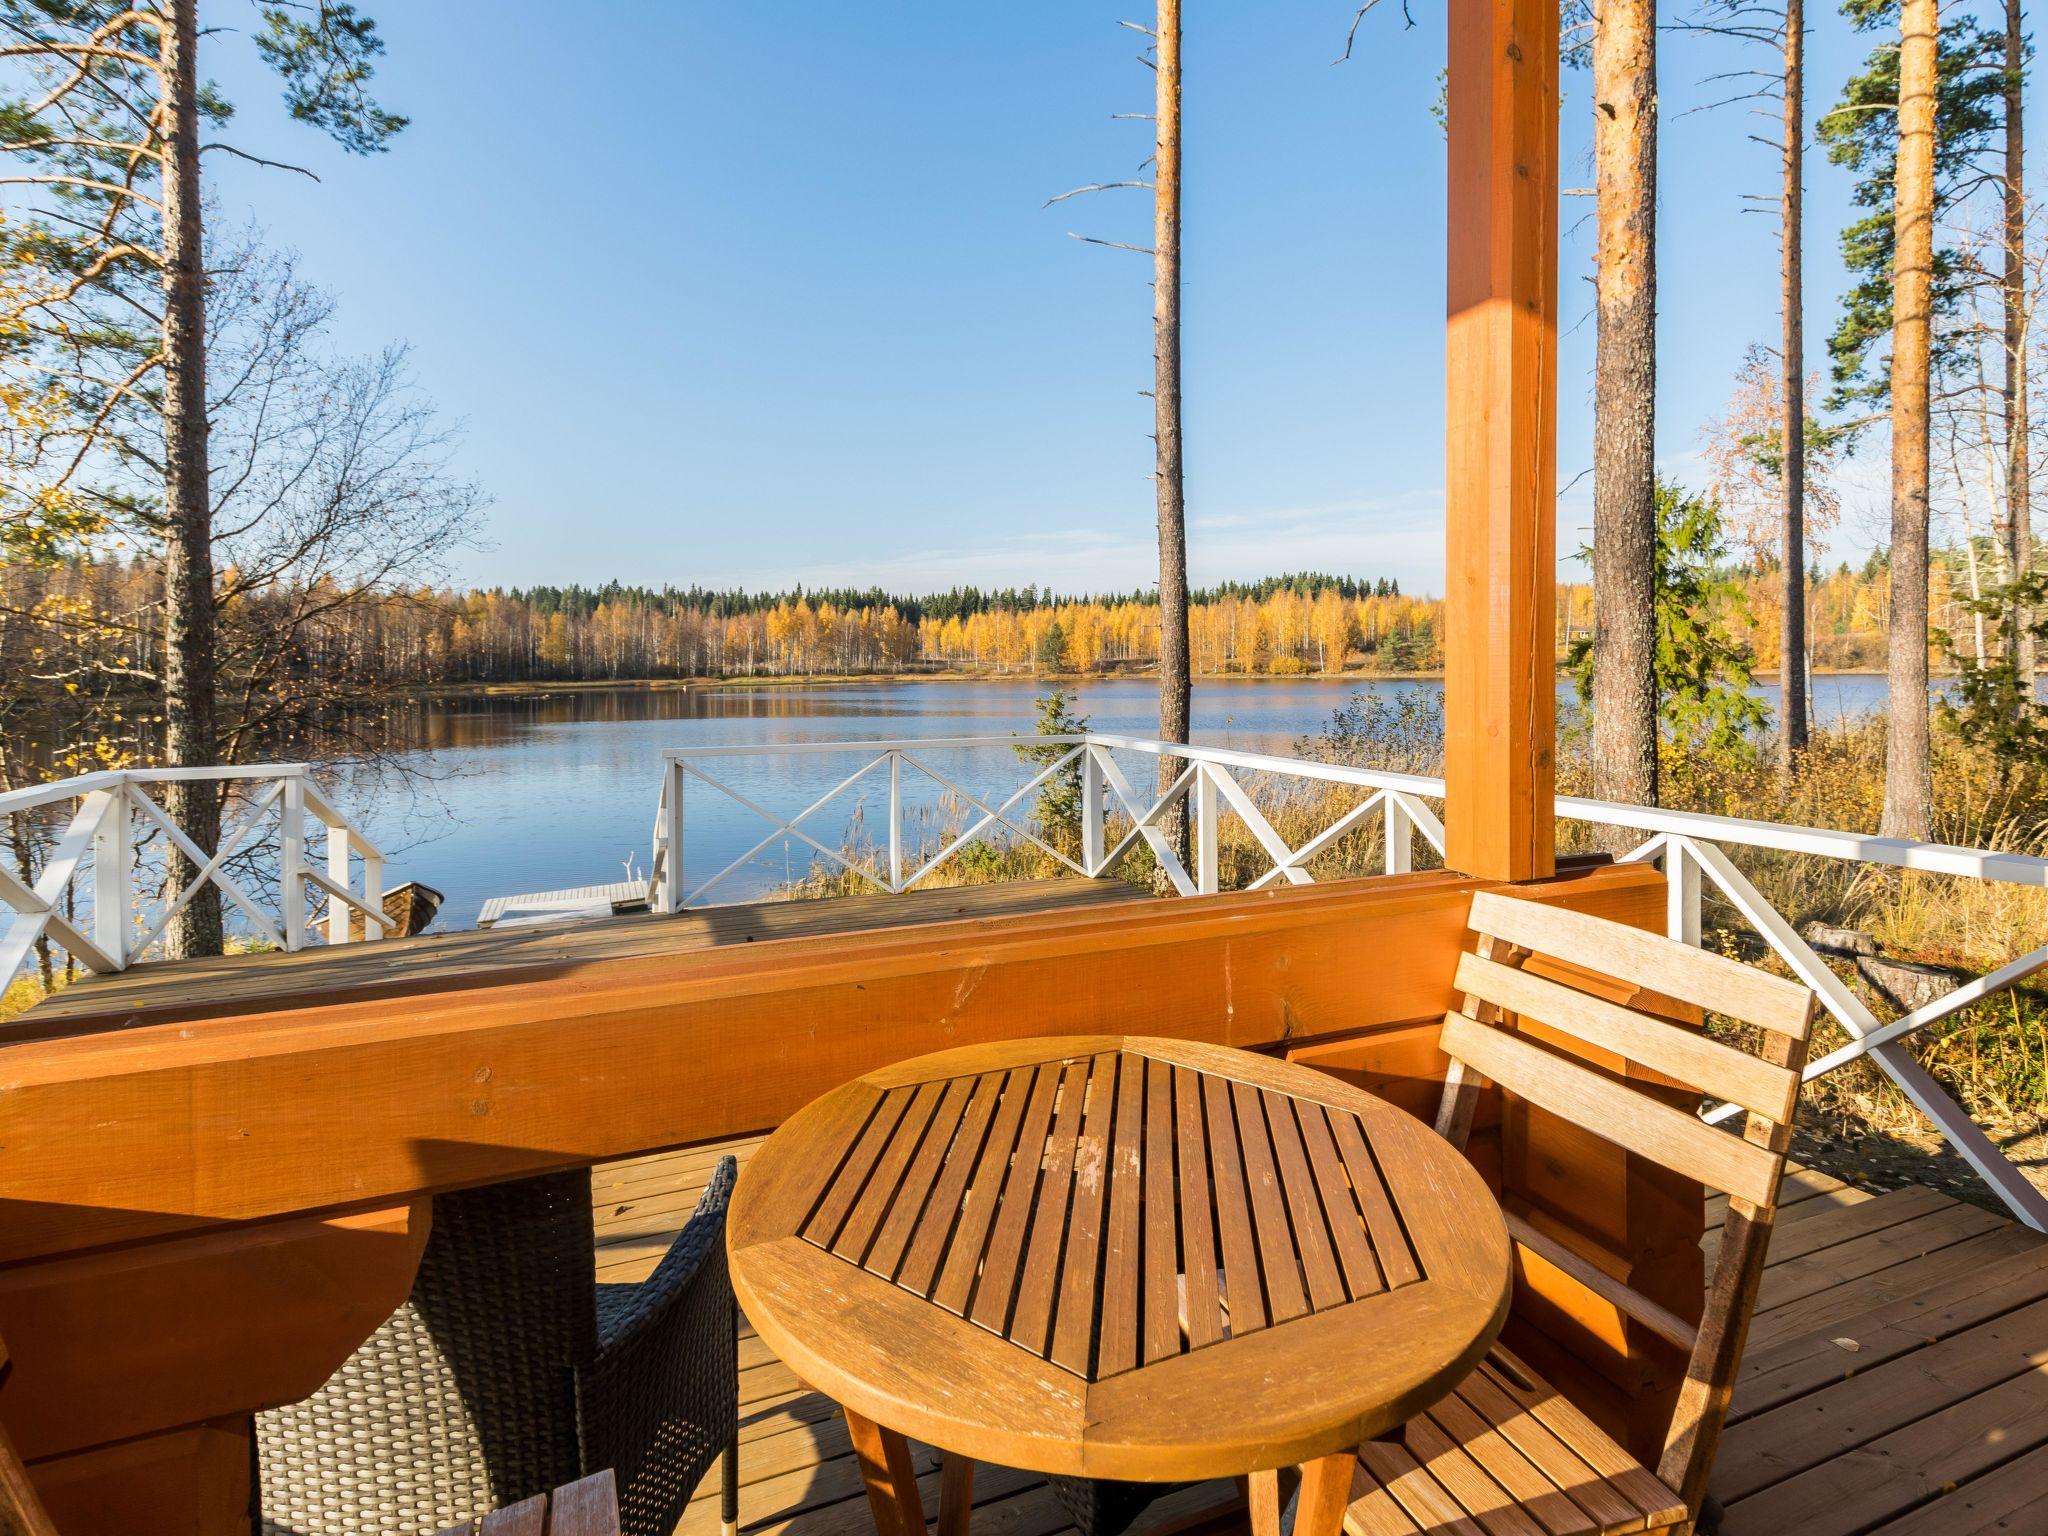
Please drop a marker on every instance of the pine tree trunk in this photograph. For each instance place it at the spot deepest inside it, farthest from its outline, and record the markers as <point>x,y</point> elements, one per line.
<point>191,732</point>
<point>1792,309</point>
<point>1624,742</point>
<point>1175,685</point>
<point>1908,792</point>
<point>2019,470</point>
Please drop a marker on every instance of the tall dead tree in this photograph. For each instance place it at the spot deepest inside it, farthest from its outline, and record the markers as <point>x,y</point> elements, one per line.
<point>1624,738</point>
<point>1176,685</point>
<point>1793,704</point>
<point>1908,790</point>
<point>2019,522</point>
<point>1176,689</point>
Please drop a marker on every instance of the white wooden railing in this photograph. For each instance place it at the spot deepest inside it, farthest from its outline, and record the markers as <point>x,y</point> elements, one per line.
<point>98,898</point>
<point>1216,783</point>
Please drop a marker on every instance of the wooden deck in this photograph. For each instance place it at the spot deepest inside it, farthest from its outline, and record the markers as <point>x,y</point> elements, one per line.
<point>1896,1380</point>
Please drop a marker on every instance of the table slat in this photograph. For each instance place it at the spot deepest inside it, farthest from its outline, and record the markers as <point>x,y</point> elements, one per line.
<point>1031,1323</point>
<point>1304,1206</point>
<point>1284,1296</point>
<point>1074,1328</point>
<point>1202,1309</point>
<point>859,1229</point>
<point>885,1256</point>
<point>1347,1225</point>
<point>1243,1293</point>
<point>998,1287</point>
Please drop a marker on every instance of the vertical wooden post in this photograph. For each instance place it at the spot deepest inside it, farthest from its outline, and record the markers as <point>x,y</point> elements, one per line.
<point>113,898</point>
<point>1092,840</point>
<point>291,873</point>
<point>1208,831</point>
<point>1500,690</point>
<point>671,892</point>
<point>339,911</point>
<point>895,821</point>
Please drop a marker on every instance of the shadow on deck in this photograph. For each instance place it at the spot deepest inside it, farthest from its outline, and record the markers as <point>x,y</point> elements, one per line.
<point>1896,1379</point>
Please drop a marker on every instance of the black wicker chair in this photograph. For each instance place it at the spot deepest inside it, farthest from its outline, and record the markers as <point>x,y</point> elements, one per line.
<point>1101,1507</point>
<point>511,1371</point>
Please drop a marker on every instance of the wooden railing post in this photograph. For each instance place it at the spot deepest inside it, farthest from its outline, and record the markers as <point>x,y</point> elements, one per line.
<point>1500,665</point>
<point>113,897</point>
<point>339,911</point>
<point>1208,824</point>
<point>669,897</point>
<point>373,893</point>
<point>1400,832</point>
<point>1092,851</point>
<point>1681,893</point>
<point>291,864</point>
<point>895,821</point>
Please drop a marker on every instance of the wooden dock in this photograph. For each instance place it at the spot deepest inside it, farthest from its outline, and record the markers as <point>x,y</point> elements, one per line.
<point>1896,1380</point>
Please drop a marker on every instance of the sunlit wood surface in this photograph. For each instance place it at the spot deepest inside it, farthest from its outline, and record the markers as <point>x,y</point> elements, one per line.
<point>202,989</point>
<point>1896,1379</point>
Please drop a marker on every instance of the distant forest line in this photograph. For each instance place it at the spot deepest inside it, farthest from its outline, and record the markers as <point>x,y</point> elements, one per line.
<point>1287,625</point>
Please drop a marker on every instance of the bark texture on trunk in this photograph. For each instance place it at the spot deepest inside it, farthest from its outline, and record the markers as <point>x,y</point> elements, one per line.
<point>2019,526</point>
<point>1908,792</point>
<point>191,724</point>
<point>1624,744</point>
<point>1175,685</point>
<point>1792,348</point>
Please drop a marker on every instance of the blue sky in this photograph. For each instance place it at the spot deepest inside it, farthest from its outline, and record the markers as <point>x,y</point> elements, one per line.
<point>759,295</point>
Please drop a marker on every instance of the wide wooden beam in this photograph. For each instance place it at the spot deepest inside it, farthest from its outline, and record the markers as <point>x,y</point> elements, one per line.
<point>333,1103</point>
<point>1500,692</point>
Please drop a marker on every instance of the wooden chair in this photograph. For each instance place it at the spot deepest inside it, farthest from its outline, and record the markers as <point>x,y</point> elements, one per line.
<point>587,1507</point>
<point>1506,1454</point>
<point>21,1509</point>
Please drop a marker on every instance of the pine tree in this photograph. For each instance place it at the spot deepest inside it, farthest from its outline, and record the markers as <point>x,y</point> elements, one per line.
<point>1861,134</point>
<point>1910,126</point>
<point>102,107</point>
<point>1624,744</point>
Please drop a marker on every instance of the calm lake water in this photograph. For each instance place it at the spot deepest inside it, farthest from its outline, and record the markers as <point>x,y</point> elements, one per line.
<point>512,794</point>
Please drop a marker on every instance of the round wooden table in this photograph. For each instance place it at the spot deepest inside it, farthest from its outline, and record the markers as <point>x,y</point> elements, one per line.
<point>1116,1257</point>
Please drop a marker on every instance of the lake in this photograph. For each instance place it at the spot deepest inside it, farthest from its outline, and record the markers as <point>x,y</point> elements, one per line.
<point>504,794</point>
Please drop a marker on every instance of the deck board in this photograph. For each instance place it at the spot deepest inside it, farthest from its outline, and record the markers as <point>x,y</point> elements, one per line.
<point>1896,1380</point>
<point>166,991</point>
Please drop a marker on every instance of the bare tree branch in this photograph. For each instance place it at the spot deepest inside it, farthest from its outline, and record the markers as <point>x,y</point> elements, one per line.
<point>1099,186</point>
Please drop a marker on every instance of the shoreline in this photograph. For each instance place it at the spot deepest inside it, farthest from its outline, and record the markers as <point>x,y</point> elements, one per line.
<point>536,687</point>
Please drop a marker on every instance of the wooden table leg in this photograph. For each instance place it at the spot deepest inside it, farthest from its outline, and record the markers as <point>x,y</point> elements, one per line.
<point>891,1480</point>
<point>1325,1494</point>
<point>1319,1503</point>
<point>956,1493</point>
<point>1262,1496</point>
